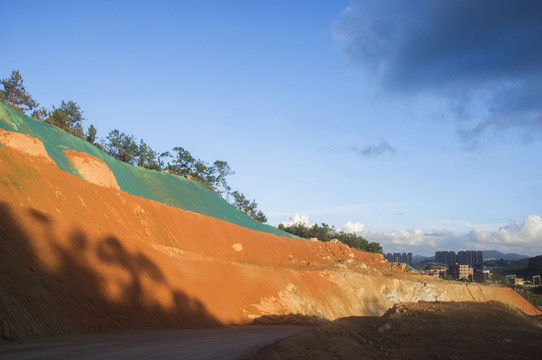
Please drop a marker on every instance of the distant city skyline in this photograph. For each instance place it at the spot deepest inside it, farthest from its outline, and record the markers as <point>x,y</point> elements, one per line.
<point>487,254</point>
<point>464,257</point>
<point>415,126</point>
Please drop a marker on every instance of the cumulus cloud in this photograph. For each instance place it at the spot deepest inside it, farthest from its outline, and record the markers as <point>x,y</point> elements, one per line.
<point>375,150</point>
<point>483,57</point>
<point>353,227</point>
<point>523,238</point>
<point>403,238</point>
<point>526,235</point>
<point>297,219</point>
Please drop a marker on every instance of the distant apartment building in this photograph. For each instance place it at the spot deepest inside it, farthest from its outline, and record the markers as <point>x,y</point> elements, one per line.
<point>472,258</point>
<point>458,272</point>
<point>483,276</point>
<point>399,257</point>
<point>437,271</point>
<point>446,257</point>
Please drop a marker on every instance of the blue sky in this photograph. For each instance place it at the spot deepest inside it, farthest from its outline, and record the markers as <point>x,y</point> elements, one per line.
<point>416,124</point>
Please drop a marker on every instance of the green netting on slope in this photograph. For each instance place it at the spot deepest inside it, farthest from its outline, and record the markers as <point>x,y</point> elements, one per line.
<point>154,185</point>
<point>50,136</point>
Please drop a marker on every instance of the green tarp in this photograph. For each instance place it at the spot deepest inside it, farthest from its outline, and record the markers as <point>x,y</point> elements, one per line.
<point>165,188</point>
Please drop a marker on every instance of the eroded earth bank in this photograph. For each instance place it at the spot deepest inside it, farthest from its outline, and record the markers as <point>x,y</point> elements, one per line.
<point>79,254</point>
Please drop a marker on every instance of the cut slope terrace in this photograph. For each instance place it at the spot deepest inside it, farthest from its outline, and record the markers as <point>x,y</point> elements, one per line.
<point>89,244</point>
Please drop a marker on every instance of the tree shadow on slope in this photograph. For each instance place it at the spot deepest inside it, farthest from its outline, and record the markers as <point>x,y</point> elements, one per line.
<point>69,283</point>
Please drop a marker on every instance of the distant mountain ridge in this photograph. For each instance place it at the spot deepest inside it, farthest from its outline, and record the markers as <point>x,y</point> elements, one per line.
<point>487,254</point>
<point>422,258</point>
<point>494,254</point>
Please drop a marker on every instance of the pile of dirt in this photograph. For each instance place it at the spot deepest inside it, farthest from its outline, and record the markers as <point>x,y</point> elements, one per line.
<point>425,330</point>
<point>290,319</point>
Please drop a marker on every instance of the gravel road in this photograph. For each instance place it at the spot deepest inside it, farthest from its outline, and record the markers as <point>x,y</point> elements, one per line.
<point>233,342</point>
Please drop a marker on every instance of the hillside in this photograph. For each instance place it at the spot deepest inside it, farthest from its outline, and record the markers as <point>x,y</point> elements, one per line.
<point>90,244</point>
<point>494,254</point>
<point>527,268</point>
<point>69,152</point>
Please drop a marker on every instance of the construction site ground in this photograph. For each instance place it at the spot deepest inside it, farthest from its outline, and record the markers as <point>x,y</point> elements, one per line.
<point>445,330</point>
<point>435,330</point>
<point>225,343</point>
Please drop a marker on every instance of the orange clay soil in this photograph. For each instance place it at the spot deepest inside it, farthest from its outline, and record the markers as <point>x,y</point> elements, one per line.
<point>24,143</point>
<point>78,257</point>
<point>92,169</point>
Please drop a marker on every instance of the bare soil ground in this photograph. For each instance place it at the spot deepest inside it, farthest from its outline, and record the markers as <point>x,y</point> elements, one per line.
<point>460,330</point>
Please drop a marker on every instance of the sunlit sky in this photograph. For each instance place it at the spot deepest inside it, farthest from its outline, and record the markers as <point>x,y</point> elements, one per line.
<point>417,124</point>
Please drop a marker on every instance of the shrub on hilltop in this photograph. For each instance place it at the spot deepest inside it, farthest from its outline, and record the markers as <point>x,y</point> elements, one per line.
<point>326,233</point>
<point>126,148</point>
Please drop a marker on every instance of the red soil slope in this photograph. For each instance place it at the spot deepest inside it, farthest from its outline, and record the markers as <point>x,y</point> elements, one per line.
<point>92,169</point>
<point>78,257</point>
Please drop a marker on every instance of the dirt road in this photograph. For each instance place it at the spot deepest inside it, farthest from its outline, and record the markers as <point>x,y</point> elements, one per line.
<point>236,342</point>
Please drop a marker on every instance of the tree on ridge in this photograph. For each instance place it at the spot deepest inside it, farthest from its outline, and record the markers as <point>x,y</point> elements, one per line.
<point>249,207</point>
<point>15,94</point>
<point>68,117</point>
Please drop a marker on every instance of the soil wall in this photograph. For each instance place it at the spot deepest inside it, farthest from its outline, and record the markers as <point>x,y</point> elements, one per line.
<point>79,257</point>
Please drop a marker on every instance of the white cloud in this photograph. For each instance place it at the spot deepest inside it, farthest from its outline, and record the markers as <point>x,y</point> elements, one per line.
<point>413,237</point>
<point>296,219</point>
<point>403,238</point>
<point>353,227</point>
<point>523,238</point>
<point>526,235</point>
<point>456,226</point>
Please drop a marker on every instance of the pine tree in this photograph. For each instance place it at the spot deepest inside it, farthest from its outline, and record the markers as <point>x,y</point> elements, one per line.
<point>15,94</point>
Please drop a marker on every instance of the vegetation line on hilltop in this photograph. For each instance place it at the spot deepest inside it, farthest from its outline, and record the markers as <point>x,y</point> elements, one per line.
<point>127,148</point>
<point>69,117</point>
<point>326,233</point>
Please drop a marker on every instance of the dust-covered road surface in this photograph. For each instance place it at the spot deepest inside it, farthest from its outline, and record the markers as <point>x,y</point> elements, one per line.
<point>233,342</point>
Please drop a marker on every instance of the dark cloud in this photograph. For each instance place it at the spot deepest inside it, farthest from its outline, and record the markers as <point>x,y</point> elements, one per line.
<point>375,150</point>
<point>483,54</point>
